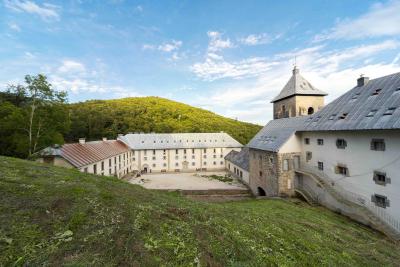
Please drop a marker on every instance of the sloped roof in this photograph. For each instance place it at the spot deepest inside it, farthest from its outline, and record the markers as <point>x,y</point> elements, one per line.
<point>240,159</point>
<point>276,133</point>
<point>178,140</point>
<point>362,108</point>
<point>297,85</point>
<point>80,155</point>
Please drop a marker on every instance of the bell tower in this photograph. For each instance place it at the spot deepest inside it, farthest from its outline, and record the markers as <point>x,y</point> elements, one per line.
<point>297,98</point>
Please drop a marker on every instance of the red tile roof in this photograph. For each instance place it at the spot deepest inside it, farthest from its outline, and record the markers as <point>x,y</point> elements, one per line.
<point>84,154</point>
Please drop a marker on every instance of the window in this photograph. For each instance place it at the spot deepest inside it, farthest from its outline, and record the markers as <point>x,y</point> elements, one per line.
<point>205,150</point>
<point>341,169</point>
<point>341,143</point>
<point>320,165</point>
<point>241,174</point>
<point>193,156</point>
<point>176,157</point>
<point>154,158</point>
<point>214,156</point>
<point>115,160</point>
<point>378,145</point>
<point>380,201</point>
<point>376,92</point>
<point>381,178</point>
<point>165,164</point>
<point>154,151</point>
<point>271,160</point>
<point>145,152</point>
<point>307,141</point>
<point>215,163</point>
<point>192,150</point>
<point>85,170</point>
<point>215,151</point>
<point>285,166</point>
<point>102,165</point>
<point>372,113</point>
<point>164,157</point>
<point>343,116</point>
<point>95,169</point>
<point>260,173</point>
<point>222,163</point>
<point>205,156</point>
<point>193,163</point>
<point>320,142</point>
<point>184,151</point>
<point>144,158</point>
<point>308,156</point>
<point>154,165</point>
<point>389,111</point>
<point>164,151</point>
<point>176,164</point>
<point>176,151</point>
<point>204,163</point>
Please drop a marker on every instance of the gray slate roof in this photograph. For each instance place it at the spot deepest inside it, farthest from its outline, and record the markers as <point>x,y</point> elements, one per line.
<point>178,140</point>
<point>276,133</point>
<point>297,85</point>
<point>240,159</point>
<point>365,107</point>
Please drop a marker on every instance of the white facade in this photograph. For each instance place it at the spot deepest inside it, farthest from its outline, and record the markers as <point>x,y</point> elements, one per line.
<point>180,160</point>
<point>118,165</point>
<point>237,171</point>
<point>360,161</point>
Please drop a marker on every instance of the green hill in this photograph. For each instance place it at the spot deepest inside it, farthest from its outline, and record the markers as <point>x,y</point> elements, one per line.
<point>107,118</point>
<point>55,216</point>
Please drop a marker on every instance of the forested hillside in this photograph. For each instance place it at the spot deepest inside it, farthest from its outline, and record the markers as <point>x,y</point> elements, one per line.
<point>107,118</point>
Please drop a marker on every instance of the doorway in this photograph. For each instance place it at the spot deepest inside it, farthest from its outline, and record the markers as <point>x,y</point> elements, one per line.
<point>261,191</point>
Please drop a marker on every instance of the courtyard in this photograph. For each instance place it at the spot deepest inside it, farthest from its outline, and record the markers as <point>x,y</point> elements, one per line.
<point>186,181</point>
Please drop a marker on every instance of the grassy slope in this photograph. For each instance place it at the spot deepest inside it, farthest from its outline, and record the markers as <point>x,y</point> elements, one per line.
<point>98,118</point>
<point>58,216</point>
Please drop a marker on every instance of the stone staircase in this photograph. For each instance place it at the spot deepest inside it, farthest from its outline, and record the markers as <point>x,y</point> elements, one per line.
<point>359,206</point>
<point>307,196</point>
<point>218,195</point>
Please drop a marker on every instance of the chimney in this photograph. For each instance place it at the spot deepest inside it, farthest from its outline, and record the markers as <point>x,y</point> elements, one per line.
<point>82,140</point>
<point>362,80</point>
<point>104,138</point>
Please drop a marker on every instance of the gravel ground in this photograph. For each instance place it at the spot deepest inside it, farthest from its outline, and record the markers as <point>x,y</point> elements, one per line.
<point>188,181</point>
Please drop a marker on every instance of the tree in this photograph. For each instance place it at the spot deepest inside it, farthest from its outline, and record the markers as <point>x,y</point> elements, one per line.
<point>45,116</point>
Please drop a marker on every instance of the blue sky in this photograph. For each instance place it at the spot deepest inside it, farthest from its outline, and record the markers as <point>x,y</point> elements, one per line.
<point>231,57</point>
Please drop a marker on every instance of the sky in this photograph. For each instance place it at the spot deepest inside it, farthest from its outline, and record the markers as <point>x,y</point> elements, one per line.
<point>230,57</point>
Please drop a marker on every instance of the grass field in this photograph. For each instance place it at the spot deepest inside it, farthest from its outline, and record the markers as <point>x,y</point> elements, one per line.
<point>54,216</point>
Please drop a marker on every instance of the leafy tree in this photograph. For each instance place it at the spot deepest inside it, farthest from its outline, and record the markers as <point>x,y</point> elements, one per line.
<point>36,113</point>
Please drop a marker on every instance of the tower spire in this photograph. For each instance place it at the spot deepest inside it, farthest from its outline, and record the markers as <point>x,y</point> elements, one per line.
<point>295,69</point>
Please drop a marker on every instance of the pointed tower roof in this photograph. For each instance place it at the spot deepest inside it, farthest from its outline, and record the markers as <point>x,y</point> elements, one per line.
<point>297,85</point>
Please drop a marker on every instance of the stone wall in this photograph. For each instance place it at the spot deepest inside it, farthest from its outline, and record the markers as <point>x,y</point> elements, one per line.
<point>297,106</point>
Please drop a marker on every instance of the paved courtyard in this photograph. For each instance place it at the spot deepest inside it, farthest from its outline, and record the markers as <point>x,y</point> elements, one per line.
<point>184,181</point>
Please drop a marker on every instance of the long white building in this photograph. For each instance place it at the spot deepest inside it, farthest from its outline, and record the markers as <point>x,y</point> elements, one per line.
<point>179,152</point>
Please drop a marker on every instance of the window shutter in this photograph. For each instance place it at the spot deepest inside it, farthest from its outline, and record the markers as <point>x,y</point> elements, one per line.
<point>373,199</point>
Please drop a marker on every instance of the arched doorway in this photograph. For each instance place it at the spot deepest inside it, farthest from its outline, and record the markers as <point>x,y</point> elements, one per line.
<point>261,191</point>
<point>310,110</point>
<point>145,168</point>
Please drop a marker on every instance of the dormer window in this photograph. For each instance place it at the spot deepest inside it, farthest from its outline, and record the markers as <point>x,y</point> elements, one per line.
<point>343,116</point>
<point>372,113</point>
<point>332,117</point>
<point>355,96</point>
<point>376,92</point>
<point>389,111</point>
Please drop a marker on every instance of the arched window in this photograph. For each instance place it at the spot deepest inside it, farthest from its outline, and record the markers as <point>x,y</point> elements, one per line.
<point>310,110</point>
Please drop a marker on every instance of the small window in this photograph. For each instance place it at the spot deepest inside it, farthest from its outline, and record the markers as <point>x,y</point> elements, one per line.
<point>372,113</point>
<point>320,142</point>
<point>308,156</point>
<point>184,151</point>
<point>332,117</point>
<point>205,156</point>
<point>260,173</point>
<point>193,163</point>
<point>222,163</point>
<point>154,151</point>
<point>192,149</point>
<point>380,201</point>
<point>154,158</point>
<point>214,156</point>
<point>341,143</point>
<point>204,163</point>
<point>343,170</point>
<point>320,165</point>
<point>215,163</point>
<point>176,157</point>
<point>376,92</point>
<point>285,165</point>
<point>102,165</point>
<point>307,141</point>
<point>176,164</point>
<point>378,145</point>
<point>215,151</point>
<point>271,160</point>
<point>176,151</point>
<point>165,164</point>
<point>389,111</point>
<point>193,156</point>
<point>355,96</point>
<point>154,165</point>
<point>381,178</point>
<point>343,116</point>
<point>205,150</point>
<point>164,157</point>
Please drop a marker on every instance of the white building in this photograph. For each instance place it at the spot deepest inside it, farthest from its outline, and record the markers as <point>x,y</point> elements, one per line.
<point>106,157</point>
<point>237,163</point>
<point>346,156</point>
<point>179,152</point>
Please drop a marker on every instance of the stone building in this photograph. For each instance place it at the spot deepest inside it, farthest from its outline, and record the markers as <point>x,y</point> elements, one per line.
<point>237,164</point>
<point>297,98</point>
<point>346,156</point>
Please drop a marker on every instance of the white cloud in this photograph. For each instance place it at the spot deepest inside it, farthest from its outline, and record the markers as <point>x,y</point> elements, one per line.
<point>380,20</point>
<point>171,46</point>
<point>139,8</point>
<point>217,43</point>
<point>14,26</point>
<point>256,39</point>
<point>148,47</point>
<point>330,70</point>
<point>71,66</point>
<point>45,11</point>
